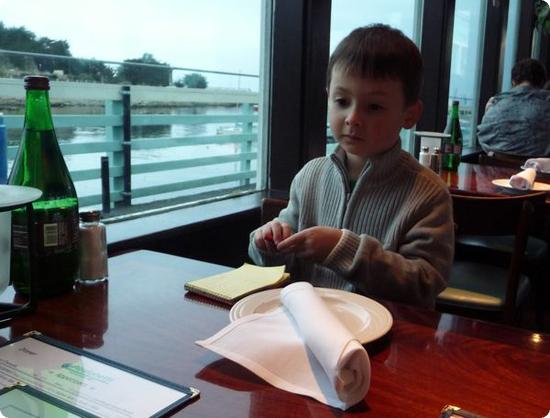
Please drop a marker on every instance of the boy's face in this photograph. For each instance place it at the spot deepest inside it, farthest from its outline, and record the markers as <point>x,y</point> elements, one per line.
<point>366,114</point>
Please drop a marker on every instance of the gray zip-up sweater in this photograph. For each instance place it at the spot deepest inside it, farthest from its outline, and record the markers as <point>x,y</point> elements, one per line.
<point>398,233</point>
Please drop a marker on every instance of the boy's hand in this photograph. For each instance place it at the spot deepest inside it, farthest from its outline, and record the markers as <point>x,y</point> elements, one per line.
<point>314,243</point>
<point>268,236</point>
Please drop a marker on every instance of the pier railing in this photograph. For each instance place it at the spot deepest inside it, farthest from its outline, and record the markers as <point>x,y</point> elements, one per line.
<point>118,188</point>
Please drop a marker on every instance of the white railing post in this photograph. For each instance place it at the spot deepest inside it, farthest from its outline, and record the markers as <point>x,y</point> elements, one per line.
<point>246,146</point>
<point>115,134</point>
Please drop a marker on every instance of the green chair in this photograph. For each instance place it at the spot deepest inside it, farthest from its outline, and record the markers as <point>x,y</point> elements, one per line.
<point>483,286</point>
<point>536,261</point>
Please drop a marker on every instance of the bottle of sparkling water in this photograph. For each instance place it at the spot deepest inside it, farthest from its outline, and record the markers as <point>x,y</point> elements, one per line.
<point>452,149</point>
<point>39,163</point>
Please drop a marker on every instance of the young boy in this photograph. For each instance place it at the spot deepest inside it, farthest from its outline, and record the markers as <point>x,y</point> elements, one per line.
<point>369,217</point>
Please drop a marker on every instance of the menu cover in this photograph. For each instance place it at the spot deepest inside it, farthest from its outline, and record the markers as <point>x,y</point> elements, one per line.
<point>39,375</point>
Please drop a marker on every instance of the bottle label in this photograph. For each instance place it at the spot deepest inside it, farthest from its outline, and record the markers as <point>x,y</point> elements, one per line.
<point>52,235</point>
<point>19,236</point>
<point>447,147</point>
<point>457,149</point>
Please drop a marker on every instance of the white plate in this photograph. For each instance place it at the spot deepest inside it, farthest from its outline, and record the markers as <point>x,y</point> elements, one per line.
<point>14,196</point>
<point>365,318</point>
<point>537,186</point>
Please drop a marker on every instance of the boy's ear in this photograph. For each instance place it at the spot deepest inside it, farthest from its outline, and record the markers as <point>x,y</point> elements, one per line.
<point>412,114</point>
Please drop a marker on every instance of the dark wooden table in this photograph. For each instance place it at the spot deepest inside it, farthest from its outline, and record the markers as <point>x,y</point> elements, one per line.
<point>476,179</point>
<point>143,318</point>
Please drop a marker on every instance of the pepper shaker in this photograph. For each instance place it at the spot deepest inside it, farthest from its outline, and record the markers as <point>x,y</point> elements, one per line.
<point>93,248</point>
<point>435,160</point>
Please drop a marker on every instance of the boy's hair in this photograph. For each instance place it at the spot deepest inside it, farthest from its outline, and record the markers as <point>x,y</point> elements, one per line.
<point>529,70</point>
<point>380,51</point>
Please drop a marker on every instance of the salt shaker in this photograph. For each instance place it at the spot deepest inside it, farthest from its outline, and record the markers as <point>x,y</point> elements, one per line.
<point>424,157</point>
<point>93,248</point>
<point>435,160</point>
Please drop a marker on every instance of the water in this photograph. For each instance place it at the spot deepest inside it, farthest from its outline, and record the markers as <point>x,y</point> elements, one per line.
<point>98,134</point>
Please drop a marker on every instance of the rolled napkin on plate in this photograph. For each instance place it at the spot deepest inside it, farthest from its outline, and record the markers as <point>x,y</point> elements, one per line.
<point>523,180</point>
<point>542,165</point>
<point>300,347</point>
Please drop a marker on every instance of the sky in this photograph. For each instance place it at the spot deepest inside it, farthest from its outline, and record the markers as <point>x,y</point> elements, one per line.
<point>219,35</point>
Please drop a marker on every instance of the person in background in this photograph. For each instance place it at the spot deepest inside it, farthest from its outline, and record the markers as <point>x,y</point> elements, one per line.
<point>368,218</point>
<point>516,122</point>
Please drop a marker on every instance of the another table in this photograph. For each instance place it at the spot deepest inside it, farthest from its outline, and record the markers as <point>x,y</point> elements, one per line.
<point>143,318</point>
<point>476,179</point>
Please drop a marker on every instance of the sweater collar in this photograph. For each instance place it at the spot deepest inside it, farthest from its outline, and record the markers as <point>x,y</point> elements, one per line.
<point>378,167</point>
<point>524,87</point>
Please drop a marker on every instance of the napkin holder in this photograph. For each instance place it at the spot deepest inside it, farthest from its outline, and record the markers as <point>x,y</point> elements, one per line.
<point>428,139</point>
<point>14,197</point>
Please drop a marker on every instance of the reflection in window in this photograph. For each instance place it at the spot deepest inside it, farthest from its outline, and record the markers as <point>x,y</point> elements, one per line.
<point>465,67</point>
<point>347,15</point>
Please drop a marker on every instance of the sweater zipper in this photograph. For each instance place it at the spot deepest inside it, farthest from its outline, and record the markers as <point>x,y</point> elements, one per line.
<point>346,201</point>
<point>347,190</point>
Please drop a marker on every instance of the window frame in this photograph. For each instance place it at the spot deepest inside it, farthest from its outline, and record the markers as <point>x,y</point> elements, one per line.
<point>297,100</point>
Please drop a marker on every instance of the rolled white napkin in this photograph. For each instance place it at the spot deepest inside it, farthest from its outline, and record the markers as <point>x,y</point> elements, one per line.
<point>524,179</point>
<point>300,347</point>
<point>540,164</point>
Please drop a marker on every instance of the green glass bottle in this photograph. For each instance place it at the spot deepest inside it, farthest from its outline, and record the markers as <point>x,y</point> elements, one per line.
<point>452,147</point>
<point>39,163</point>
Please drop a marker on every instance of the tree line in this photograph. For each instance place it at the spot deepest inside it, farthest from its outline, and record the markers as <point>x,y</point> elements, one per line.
<point>23,40</point>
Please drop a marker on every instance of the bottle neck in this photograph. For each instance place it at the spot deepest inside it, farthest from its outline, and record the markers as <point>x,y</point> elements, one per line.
<point>38,115</point>
<point>454,112</point>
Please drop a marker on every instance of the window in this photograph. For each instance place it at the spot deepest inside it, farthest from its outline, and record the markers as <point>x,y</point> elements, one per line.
<point>349,14</point>
<point>193,71</point>
<point>514,10</point>
<point>466,63</point>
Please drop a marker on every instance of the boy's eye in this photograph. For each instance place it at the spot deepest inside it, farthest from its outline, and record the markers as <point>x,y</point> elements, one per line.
<point>374,107</point>
<point>341,101</point>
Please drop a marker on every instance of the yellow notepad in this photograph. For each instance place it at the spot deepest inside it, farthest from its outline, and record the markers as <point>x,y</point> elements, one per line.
<point>233,285</point>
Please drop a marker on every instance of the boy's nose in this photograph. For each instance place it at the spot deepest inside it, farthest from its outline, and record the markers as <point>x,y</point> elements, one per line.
<point>352,118</point>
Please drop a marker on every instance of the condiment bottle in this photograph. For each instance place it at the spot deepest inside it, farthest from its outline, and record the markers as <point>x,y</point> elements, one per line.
<point>424,157</point>
<point>93,248</point>
<point>39,163</point>
<point>435,160</point>
<point>452,151</point>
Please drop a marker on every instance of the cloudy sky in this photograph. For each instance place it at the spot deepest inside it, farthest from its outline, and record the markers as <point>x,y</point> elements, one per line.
<point>221,35</point>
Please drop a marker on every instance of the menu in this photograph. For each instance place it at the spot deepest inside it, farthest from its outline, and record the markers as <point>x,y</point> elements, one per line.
<point>81,380</point>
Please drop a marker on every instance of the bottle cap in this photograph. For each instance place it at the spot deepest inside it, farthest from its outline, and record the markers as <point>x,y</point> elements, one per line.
<point>425,149</point>
<point>90,216</point>
<point>436,150</point>
<point>36,82</point>
<point>455,102</point>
